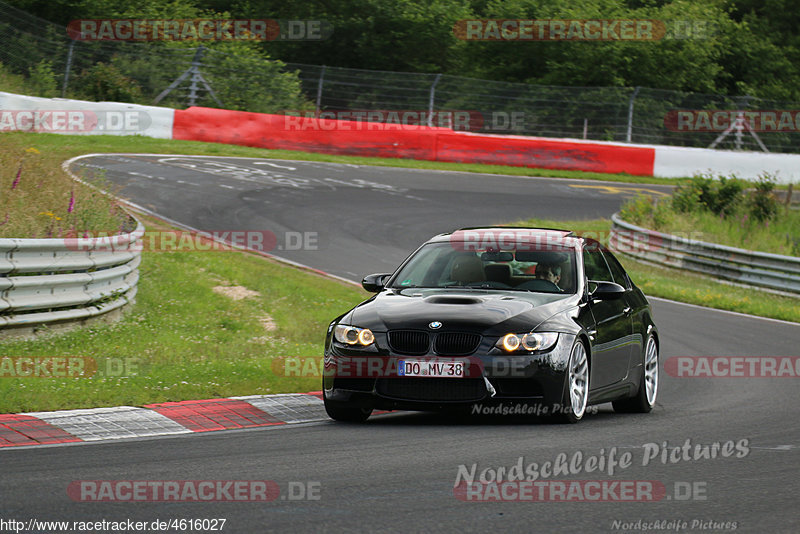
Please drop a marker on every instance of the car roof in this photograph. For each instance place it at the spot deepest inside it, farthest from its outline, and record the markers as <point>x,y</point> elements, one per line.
<point>528,232</point>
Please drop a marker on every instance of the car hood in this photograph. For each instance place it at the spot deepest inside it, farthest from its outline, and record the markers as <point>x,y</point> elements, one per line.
<point>490,312</point>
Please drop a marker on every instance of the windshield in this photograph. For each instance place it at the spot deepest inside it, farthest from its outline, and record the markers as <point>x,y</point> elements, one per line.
<point>441,265</point>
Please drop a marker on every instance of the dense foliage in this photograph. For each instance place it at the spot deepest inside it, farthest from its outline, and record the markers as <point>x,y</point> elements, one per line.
<point>754,48</point>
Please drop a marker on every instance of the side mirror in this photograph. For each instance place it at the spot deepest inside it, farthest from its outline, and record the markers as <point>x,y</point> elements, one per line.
<point>374,282</point>
<point>606,290</point>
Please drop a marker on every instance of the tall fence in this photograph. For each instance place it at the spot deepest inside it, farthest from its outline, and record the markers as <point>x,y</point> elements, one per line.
<point>179,74</point>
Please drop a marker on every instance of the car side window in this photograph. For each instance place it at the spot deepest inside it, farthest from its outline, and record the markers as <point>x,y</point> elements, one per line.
<point>617,271</point>
<point>594,265</point>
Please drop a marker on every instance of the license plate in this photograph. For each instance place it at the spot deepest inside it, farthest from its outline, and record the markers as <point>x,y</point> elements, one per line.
<point>430,368</point>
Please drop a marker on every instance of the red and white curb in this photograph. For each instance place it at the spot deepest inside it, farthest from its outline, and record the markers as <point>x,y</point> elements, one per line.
<point>162,419</point>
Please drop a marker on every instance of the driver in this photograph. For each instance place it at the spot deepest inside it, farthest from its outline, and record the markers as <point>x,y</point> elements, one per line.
<point>548,271</point>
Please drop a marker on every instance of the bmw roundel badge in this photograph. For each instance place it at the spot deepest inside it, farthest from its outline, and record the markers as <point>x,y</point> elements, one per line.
<point>435,325</point>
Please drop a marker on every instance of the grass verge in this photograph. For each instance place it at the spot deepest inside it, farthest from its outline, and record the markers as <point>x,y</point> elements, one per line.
<point>185,340</point>
<point>682,286</point>
<point>38,200</point>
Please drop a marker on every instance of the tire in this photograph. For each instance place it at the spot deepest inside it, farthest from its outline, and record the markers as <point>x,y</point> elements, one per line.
<point>645,398</point>
<point>345,412</point>
<point>576,385</point>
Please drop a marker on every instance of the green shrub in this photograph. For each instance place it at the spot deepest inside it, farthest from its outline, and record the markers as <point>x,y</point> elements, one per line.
<point>762,204</point>
<point>656,213</point>
<point>105,82</point>
<point>703,192</point>
<point>42,79</point>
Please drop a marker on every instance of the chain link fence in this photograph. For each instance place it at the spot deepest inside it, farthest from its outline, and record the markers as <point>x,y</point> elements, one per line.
<point>234,76</point>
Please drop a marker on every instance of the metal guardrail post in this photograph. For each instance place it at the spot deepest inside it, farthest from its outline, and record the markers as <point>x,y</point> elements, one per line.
<point>629,134</point>
<point>431,99</point>
<point>67,68</point>
<point>319,89</point>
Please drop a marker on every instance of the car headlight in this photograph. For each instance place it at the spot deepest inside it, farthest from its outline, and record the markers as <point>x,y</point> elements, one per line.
<point>351,335</point>
<point>529,342</point>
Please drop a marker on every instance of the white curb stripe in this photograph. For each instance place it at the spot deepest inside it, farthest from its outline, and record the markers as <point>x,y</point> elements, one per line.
<point>291,408</point>
<point>111,423</point>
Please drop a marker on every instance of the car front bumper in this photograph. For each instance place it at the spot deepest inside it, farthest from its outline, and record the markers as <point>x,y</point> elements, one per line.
<point>491,381</point>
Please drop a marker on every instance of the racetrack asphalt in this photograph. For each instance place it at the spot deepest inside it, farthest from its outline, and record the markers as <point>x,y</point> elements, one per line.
<point>396,473</point>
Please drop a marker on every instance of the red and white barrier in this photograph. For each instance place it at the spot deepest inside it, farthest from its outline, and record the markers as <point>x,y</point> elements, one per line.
<point>78,117</point>
<point>331,136</point>
<point>678,162</point>
<point>407,141</point>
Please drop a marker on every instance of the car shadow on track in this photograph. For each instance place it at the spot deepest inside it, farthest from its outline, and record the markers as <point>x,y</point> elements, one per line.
<point>403,418</point>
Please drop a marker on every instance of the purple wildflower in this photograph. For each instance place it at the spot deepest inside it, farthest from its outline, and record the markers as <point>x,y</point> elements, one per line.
<point>71,202</point>
<point>16,180</point>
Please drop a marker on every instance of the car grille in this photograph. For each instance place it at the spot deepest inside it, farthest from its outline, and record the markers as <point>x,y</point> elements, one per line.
<point>456,344</point>
<point>432,389</point>
<point>409,341</point>
<point>446,343</point>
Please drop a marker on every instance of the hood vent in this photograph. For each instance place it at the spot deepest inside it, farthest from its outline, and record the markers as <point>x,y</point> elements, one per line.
<point>452,299</point>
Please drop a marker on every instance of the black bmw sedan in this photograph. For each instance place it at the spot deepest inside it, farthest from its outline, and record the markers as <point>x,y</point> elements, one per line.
<point>496,320</point>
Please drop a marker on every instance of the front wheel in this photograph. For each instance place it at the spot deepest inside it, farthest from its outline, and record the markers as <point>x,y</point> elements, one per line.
<point>645,398</point>
<point>342,411</point>
<point>576,396</point>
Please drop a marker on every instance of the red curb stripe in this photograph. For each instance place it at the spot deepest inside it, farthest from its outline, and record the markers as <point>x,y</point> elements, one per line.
<point>20,430</point>
<point>215,414</point>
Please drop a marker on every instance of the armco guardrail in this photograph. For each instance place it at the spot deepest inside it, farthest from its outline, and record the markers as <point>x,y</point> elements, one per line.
<point>57,281</point>
<point>758,269</point>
